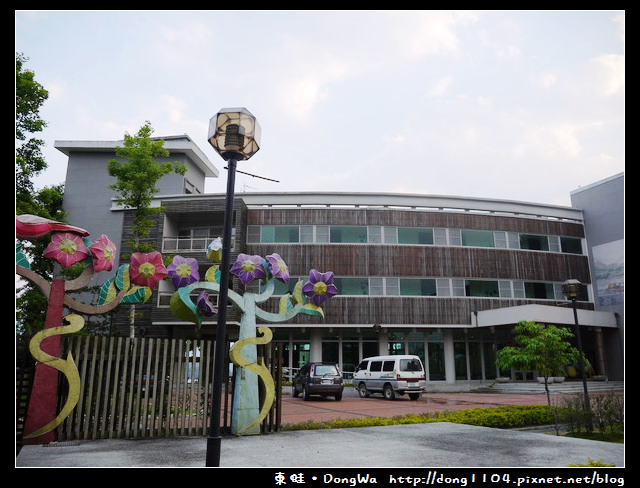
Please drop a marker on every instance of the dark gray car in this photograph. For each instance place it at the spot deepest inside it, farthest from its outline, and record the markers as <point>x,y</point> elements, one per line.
<point>318,379</point>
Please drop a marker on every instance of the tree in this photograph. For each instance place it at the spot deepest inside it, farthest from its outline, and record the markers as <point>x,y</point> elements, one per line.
<point>137,174</point>
<point>30,95</point>
<point>543,348</point>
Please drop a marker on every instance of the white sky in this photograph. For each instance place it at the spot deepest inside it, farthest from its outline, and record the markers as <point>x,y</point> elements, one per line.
<point>515,105</point>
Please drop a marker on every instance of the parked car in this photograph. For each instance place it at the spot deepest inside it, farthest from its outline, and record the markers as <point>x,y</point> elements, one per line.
<point>319,379</point>
<point>391,376</point>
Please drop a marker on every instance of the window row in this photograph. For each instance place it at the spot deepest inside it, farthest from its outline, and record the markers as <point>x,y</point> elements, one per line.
<point>426,287</point>
<point>411,236</point>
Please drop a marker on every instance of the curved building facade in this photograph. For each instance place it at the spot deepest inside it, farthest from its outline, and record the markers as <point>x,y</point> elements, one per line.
<point>443,277</point>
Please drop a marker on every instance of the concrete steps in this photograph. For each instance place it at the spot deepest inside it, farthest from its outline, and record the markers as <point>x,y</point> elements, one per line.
<point>565,388</point>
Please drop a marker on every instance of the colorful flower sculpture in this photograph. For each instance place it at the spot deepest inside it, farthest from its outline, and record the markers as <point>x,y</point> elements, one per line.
<point>66,248</point>
<point>183,271</point>
<point>320,287</point>
<point>103,254</point>
<point>147,269</point>
<point>248,268</point>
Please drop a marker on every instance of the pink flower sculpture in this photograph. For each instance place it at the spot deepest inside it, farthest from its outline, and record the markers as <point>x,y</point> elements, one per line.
<point>248,268</point>
<point>205,305</point>
<point>183,271</point>
<point>147,269</point>
<point>103,254</point>
<point>278,267</point>
<point>319,287</point>
<point>66,248</point>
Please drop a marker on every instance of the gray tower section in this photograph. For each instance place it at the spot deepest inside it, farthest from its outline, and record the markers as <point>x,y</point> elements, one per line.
<point>602,204</point>
<point>88,200</point>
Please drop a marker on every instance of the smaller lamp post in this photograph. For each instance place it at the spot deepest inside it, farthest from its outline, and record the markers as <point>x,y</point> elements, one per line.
<point>571,289</point>
<point>235,134</point>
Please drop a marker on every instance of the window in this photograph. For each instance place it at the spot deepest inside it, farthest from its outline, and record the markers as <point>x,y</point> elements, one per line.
<point>418,287</point>
<point>477,288</point>
<point>477,238</point>
<point>280,233</point>
<point>571,245</point>
<point>533,242</point>
<point>375,366</point>
<point>352,286</point>
<point>415,235</point>
<point>539,290</point>
<point>388,365</point>
<point>348,234</point>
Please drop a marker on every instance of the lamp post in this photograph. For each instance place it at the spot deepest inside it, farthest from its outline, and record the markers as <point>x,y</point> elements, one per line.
<point>235,134</point>
<point>571,289</point>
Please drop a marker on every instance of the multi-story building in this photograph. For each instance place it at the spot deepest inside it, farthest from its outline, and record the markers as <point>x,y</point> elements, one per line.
<point>443,277</point>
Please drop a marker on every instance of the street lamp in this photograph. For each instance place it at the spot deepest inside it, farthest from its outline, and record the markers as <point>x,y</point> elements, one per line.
<point>235,134</point>
<point>571,289</point>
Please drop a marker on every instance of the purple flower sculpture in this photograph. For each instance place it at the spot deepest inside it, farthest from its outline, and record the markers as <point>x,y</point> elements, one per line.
<point>248,268</point>
<point>319,287</point>
<point>183,271</point>
<point>278,268</point>
<point>205,305</point>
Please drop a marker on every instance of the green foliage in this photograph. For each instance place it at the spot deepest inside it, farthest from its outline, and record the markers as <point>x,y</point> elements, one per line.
<point>592,464</point>
<point>542,348</point>
<point>137,173</point>
<point>499,417</point>
<point>30,95</point>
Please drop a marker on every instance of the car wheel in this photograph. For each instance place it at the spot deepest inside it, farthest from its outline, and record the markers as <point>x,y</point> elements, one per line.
<point>295,392</point>
<point>338,396</point>
<point>362,390</point>
<point>414,396</point>
<point>388,392</point>
<point>305,393</point>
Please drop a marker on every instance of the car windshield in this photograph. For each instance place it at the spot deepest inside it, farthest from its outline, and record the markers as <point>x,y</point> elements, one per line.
<point>324,369</point>
<point>410,365</point>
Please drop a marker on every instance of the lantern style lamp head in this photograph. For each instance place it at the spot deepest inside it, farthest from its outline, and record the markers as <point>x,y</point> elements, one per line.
<point>234,133</point>
<point>571,289</point>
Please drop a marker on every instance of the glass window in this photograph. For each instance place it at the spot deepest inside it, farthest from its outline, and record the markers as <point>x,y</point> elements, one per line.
<point>554,243</point>
<point>460,360</point>
<point>330,352</point>
<point>455,238</point>
<point>390,235</point>
<point>479,288</point>
<point>418,287</point>
<point>475,361</point>
<point>415,235</point>
<point>375,366</point>
<point>376,286</point>
<point>440,237</point>
<point>443,287</point>
<point>436,361</point>
<point>539,290</point>
<point>306,233</point>
<point>392,286</point>
<point>489,351</point>
<point>514,240</point>
<point>253,233</point>
<point>571,245</point>
<point>505,289</point>
<point>533,242</point>
<point>375,234</point>
<point>268,233</point>
<point>477,238</point>
<point>388,365</point>
<point>500,238</point>
<point>322,233</point>
<point>518,289</point>
<point>352,286</point>
<point>348,234</point>
<point>287,233</point>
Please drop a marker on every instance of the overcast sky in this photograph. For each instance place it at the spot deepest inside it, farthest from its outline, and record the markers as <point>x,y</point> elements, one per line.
<point>515,105</point>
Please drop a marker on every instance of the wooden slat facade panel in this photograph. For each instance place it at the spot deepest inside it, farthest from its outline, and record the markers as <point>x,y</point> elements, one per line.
<point>408,218</point>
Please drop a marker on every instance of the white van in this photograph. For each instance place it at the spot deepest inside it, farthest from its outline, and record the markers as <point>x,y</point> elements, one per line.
<point>391,376</point>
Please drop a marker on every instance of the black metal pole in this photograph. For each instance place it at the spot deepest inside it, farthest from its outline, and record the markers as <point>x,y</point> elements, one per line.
<point>214,440</point>
<point>587,404</point>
